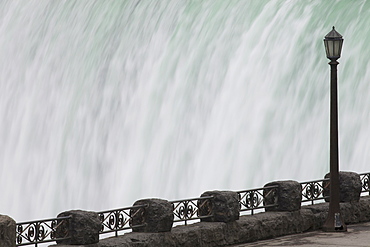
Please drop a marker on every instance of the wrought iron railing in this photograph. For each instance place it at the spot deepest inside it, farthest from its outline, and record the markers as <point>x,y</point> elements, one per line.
<point>121,219</point>
<point>365,178</point>
<point>251,200</point>
<point>42,231</point>
<point>314,190</point>
<point>113,221</point>
<point>192,209</point>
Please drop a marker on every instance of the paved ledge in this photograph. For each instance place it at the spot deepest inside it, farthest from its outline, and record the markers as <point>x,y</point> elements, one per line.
<point>245,230</point>
<point>357,236</point>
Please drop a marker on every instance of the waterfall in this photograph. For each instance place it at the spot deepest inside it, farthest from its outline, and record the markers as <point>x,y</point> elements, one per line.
<point>103,103</point>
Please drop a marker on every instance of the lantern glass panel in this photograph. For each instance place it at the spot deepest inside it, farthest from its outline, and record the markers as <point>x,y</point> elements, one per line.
<point>329,45</point>
<point>336,48</point>
<point>333,48</point>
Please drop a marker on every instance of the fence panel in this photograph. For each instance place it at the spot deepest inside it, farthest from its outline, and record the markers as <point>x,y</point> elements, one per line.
<point>314,190</point>
<point>42,231</point>
<point>192,209</point>
<point>120,219</point>
<point>254,199</point>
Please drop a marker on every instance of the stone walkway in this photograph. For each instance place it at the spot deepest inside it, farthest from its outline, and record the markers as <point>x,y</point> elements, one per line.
<point>357,235</point>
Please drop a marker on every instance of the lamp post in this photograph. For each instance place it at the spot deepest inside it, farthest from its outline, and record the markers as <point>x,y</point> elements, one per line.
<point>333,45</point>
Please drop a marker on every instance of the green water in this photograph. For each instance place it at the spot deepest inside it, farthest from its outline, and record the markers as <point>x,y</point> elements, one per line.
<point>106,102</point>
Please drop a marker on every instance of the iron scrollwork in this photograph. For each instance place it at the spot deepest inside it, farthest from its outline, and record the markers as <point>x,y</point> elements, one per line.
<point>251,200</point>
<point>185,210</point>
<point>121,219</point>
<point>192,209</point>
<point>315,190</point>
<point>312,191</point>
<point>42,231</point>
<point>365,178</point>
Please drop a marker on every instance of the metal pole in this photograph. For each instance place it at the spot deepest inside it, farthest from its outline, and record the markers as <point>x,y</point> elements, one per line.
<point>334,221</point>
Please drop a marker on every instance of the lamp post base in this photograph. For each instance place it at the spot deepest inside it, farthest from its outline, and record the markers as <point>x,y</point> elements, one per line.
<point>334,229</point>
<point>334,223</point>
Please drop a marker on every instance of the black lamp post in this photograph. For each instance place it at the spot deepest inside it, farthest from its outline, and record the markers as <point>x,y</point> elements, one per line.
<point>333,45</point>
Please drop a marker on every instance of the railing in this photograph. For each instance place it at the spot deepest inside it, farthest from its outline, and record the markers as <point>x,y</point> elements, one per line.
<point>251,200</point>
<point>113,221</point>
<point>314,190</point>
<point>192,209</point>
<point>365,178</point>
<point>42,231</point>
<point>121,219</point>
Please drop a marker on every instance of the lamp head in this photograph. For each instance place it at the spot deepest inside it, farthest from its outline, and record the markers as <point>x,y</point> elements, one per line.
<point>333,44</point>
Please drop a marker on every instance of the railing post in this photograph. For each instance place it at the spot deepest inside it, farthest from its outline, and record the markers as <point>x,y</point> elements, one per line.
<point>224,206</point>
<point>7,231</point>
<point>350,187</point>
<point>83,229</point>
<point>288,196</point>
<point>156,217</point>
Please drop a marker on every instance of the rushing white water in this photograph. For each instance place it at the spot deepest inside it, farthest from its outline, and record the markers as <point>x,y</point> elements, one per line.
<point>106,102</point>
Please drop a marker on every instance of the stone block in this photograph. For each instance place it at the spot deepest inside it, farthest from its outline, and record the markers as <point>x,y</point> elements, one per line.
<point>288,196</point>
<point>349,187</point>
<point>156,217</point>
<point>7,231</point>
<point>83,227</point>
<point>224,206</point>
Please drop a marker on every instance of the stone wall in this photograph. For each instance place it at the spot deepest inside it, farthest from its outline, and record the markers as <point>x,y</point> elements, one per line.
<point>246,229</point>
<point>151,220</point>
